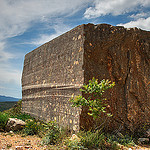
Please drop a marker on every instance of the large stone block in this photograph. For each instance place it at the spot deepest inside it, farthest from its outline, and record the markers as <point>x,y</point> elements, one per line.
<point>57,69</point>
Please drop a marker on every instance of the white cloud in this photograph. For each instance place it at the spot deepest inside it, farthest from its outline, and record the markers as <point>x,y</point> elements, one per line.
<point>10,81</point>
<point>140,23</point>
<point>139,15</point>
<point>10,78</point>
<point>17,16</point>
<point>59,28</point>
<point>4,56</point>
<point>10,75</point>
<point>114,7</point>
<point>146,3</point>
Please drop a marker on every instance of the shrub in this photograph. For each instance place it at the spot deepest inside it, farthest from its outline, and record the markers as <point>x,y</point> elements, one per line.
<point>17,108</point>
<point>23,116</point>
<point>125,140</point>
<point>94,92</point>
<point>93,99</point>
<point>93,139</point>
<point>3,120</point>
<point>74,145</point>
<point>52,133</point>
<point>32,127</point>
<point>90,140</point>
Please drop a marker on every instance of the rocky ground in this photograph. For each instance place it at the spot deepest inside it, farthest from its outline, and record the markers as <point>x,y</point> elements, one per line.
<point>17,142</point>
<point>13,141</point>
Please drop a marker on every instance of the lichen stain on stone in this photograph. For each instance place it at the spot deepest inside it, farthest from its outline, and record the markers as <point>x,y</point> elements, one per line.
<point>70,121</point>
<point>80,49</point>
<point>90,44</point>
<point>76,62</point>
<point>55,119</point>
<point>74,38</point>
<point>79,37</point>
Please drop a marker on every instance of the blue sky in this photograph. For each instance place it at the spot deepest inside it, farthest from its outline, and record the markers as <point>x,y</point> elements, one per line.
<point>27,24</point>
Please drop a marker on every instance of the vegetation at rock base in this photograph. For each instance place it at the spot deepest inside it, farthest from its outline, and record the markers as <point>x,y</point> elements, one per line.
<point>51,134</point>
<point>3,120</point>
<point>92,98</point>
<point>32,127</point>
<point>91,140</point>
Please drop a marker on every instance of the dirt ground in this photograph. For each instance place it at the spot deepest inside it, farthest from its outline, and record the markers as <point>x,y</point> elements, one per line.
<point>17,142</point>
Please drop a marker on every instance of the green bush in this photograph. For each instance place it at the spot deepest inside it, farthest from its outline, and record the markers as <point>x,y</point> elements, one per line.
<point>90,140</point>
<point>93,97</point>
<point>74,145</point>
<point>3,120</point>
<point>32,127</point>
<point>52,133</point>
<point>93,139</point>
<point>125,140</point>
<point>23,116</point>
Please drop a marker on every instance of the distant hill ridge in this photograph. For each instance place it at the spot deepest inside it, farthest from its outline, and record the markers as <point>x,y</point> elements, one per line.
<point>7,99</point>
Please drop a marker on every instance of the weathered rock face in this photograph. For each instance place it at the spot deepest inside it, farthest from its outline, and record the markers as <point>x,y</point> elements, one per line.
<point>123,56</point>
<point>55,71</point>
<point>51,74</point>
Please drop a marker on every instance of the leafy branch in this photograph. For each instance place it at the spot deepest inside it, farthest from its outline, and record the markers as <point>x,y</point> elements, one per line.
<point>93,98</point>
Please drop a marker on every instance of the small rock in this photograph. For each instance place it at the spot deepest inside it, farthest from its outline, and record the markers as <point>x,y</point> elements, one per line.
<point>11,132</point>
<point>19,147</point>
<point>143,140</point>
<point>27,147</point>
<point>148,133</point>
<point>1,130</point>
<point>14,124</point>
<point>75,137</point>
